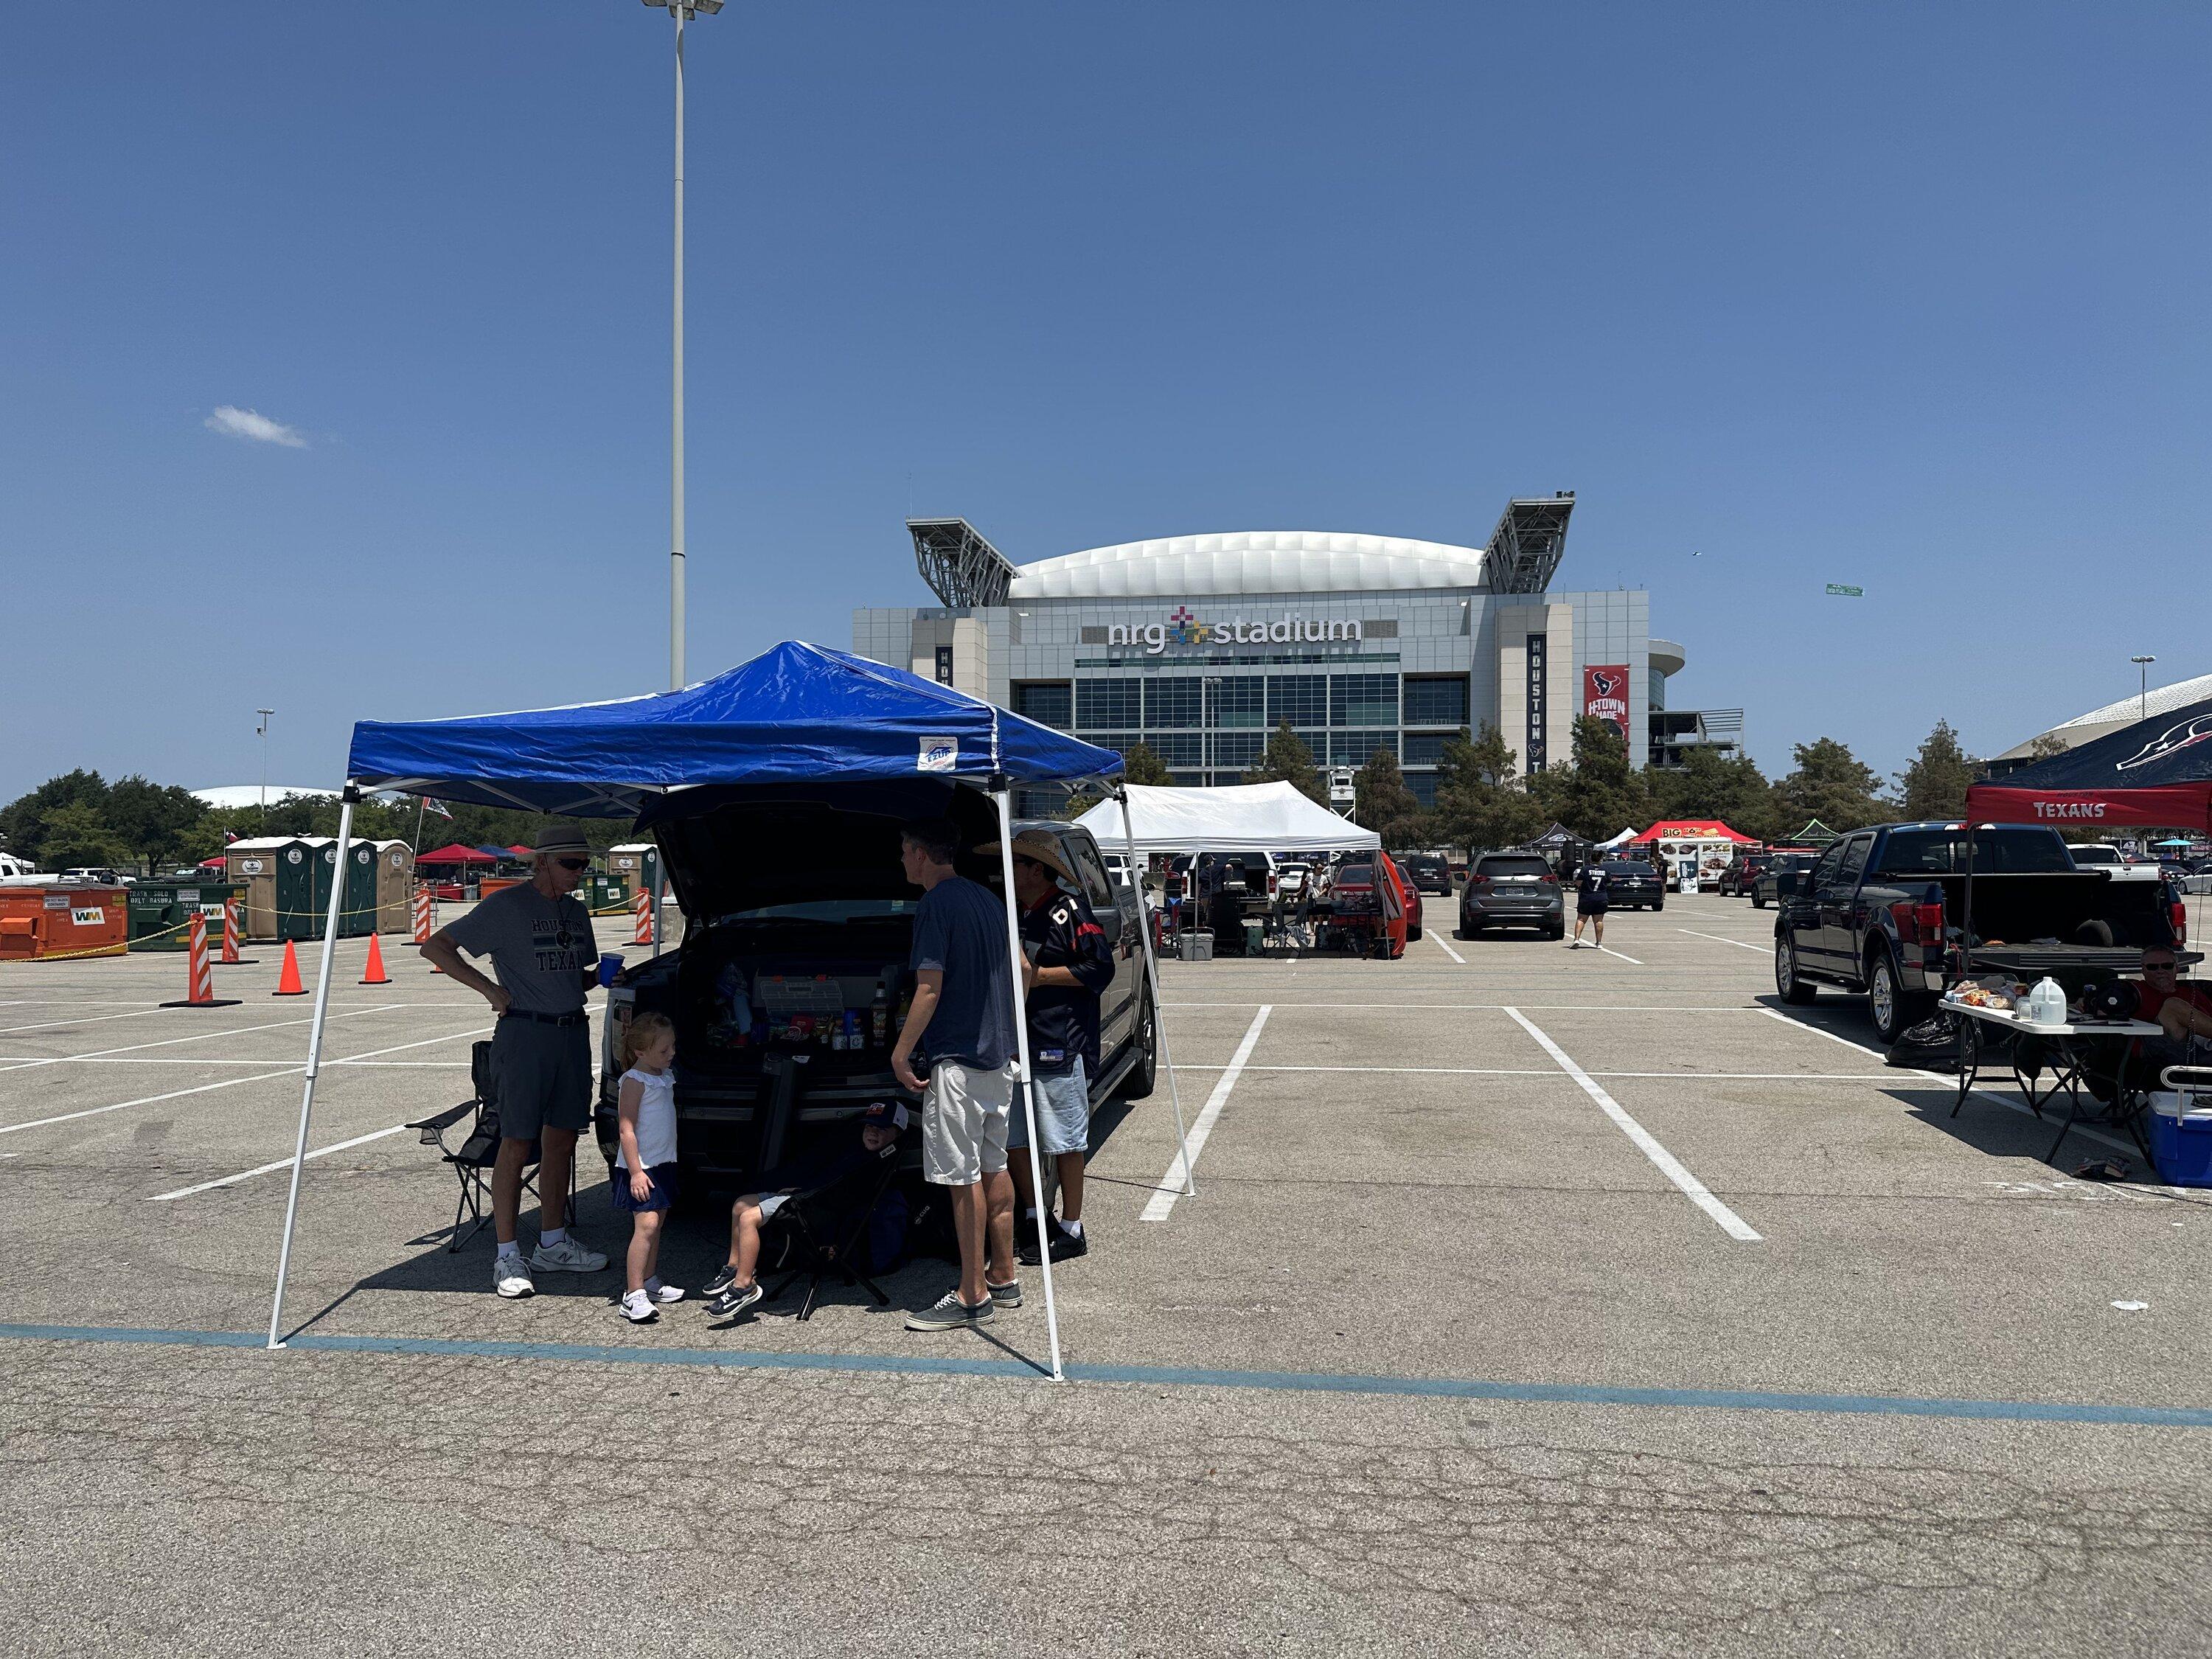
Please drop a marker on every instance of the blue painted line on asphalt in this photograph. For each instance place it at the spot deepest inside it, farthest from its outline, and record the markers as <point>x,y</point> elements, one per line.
<point>1438,1387</point>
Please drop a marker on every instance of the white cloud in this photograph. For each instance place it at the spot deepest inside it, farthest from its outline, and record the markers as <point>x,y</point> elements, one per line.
<point>253,425</point>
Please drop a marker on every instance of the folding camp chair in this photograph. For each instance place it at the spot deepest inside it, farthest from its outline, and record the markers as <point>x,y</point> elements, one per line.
<point>817,1256</point>
<point>478,1151</point>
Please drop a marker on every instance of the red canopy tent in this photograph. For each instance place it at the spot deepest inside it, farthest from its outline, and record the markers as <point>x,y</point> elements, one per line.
<point>1693,830</point>
<point>522,852</point>
<point>455,853</point>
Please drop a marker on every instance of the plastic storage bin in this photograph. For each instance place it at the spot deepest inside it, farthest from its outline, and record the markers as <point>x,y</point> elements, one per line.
<point>2180,1134</point>
<point>1197,947</point>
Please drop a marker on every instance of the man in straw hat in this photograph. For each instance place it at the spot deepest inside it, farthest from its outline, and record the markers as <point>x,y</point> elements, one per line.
<point>538,936</point>
<point>1067,964</point>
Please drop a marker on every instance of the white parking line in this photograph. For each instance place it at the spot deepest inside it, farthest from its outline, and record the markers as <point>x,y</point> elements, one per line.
<point>1447,949</point>
<point>1669,1165</point>
<point>1544,1008</point>
<point>1952,1083</point>
<point>1171,1183</point>
<point>1509,1071</point>
<point>201,1060</point>
<point>198,1037</point>
<point>270,1169</point>
<point>82,1019</point>
<point>1610,952</point>
<point>231,1083</point>
<point>1718,940</point>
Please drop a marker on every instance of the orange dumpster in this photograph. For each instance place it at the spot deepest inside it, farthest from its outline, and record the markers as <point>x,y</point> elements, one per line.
<point>37,922</point>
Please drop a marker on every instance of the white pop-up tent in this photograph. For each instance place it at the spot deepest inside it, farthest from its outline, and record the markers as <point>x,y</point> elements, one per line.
<point>1236,818</point>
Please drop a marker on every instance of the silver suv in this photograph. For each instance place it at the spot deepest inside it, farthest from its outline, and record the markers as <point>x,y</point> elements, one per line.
<point>1511,890</point>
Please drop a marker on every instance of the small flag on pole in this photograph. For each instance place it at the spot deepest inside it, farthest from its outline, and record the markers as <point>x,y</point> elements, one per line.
<point>437,806</point>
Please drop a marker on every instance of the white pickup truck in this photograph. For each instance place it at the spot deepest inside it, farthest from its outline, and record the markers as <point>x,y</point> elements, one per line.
<point>2100,855</point>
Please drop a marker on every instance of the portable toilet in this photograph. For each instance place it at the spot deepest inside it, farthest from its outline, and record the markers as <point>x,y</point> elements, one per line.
<point>638,864</point>
<point>395,886</point>
<point>357,909</point>
<point>273,870</point>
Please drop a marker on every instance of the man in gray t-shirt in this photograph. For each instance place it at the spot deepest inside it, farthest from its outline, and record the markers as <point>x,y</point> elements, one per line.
<point>538,937</point>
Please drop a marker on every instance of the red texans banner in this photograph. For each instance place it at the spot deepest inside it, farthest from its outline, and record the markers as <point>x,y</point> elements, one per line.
<point>1605,696</point>
<point>2163,806</point>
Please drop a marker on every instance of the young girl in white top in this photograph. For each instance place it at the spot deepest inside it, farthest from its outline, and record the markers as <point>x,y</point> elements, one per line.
<point>645,1169</point>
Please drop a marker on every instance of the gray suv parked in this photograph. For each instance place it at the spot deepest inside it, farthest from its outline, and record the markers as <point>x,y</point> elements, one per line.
<point>1511,890</point>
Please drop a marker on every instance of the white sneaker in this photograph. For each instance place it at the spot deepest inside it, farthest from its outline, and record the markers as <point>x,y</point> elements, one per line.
<point>509,1277</point>
<point>637,1308</point>
<point>566,1257</point>
<point>662,1293</point>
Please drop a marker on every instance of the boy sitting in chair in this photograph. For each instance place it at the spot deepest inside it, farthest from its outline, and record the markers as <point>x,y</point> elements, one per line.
<point>835,1183</point>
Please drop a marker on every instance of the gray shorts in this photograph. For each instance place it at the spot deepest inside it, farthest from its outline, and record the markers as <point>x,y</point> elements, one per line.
<point>1063,1113</point>
<point>964,1123</point>
<point>543,1076</point>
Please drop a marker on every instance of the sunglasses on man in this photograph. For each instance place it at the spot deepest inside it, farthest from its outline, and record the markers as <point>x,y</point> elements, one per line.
<point>2160,967</point>
<point>573,864</point>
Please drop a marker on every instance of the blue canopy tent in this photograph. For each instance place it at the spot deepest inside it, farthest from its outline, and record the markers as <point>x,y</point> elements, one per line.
<point>796,714</point>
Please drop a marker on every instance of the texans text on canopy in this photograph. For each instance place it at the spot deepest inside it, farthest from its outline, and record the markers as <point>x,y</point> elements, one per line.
<point>2155,774</point>
<point>796,713</point>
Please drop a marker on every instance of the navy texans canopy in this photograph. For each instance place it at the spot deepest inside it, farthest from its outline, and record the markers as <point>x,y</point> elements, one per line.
<point>795,714</point>
<point>2157,773</point>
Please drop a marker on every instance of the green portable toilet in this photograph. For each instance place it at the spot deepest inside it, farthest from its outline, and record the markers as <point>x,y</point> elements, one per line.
<point>303,886</point>
<point>283,887</point>
<point>357,909</point>
<point>637,864</point>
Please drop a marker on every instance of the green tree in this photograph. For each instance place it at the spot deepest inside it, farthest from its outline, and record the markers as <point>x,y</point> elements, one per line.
<point>23,820</point>
<point>1831,784</point>
<point>1709,785</point>
<point>1479,800</point>
<point>1383,802</point>
<point>1141,763</point>
<point>163,824</point>
<point>79,834</point>
<point>1599,792</point>
<point>1287,760</point>
<point>1935,785</point>
<point>2046,745</point>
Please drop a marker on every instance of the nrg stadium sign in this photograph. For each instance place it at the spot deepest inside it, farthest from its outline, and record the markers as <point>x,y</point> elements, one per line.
<point>1183,629</point>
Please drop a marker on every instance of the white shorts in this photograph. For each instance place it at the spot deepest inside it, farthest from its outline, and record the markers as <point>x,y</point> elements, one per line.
<point>964,1123</point>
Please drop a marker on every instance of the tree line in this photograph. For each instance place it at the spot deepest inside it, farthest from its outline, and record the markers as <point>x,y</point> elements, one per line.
<point>81,819</point>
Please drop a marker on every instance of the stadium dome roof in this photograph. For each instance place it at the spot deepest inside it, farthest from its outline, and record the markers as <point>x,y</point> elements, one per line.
<point>1251,561</point>
<point>2082,728</point>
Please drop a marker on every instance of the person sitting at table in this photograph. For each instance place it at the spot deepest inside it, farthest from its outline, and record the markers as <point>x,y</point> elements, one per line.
<point>2179,1008</point>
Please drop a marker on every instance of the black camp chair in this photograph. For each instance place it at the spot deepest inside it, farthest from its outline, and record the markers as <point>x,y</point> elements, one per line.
<point>813,1251</point>
<point>479,1148</point>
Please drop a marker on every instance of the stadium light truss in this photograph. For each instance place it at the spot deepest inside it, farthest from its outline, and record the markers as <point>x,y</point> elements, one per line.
<point>959,563</point>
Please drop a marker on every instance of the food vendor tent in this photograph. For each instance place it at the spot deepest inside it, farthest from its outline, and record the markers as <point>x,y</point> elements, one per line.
<point>1704,832</point>
<point>796,714</point>
<point>1236,818</point>
<point>2156,774</point>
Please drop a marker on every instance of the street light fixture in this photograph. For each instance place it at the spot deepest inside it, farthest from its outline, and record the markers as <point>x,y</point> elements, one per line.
<point>2142,695</point>
<point>261,731</point>
<point>682,11</point>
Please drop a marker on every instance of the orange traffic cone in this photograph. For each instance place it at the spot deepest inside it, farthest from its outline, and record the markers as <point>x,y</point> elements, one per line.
<point>199,978</point>
<point>372,973</point>
<point>288,981</point>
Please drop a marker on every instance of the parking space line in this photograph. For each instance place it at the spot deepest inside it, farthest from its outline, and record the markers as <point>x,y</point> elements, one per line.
<point>295,1070</point>
<point>82,1019</point>
<point>1952,1083</point>
<point>1446,949</point>
<point>1540,1008</point>
<point>1718,940</point>
<point>196,1037</point>
<point>1171,1184</point>
<point>1610,952</point>
<point>1545,1071</point>
<point>280,1164</point>
<point>1668,1164</point>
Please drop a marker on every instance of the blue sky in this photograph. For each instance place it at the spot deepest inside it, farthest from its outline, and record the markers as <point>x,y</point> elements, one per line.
<point>1907,297</point>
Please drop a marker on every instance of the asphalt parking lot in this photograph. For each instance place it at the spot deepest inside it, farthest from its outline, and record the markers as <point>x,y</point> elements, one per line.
<point>1532,1301</point>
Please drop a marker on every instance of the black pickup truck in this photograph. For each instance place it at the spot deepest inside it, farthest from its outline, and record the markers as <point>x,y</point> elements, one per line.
<point>787,990</point>
<point>1880,909</point>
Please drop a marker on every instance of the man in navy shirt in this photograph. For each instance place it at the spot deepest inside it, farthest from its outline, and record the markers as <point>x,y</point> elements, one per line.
<point>954,1050</point>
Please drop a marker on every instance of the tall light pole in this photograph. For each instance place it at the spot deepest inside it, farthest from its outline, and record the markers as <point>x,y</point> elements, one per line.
<point>2142,694</point>
<point>261,731</point>
<point>682,11</point>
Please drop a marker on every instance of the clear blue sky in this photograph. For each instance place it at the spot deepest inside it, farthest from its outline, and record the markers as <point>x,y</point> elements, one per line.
<point>1913,298</point>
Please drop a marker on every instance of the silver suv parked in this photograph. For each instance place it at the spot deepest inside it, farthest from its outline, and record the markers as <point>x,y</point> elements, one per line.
<point>1511,890</point>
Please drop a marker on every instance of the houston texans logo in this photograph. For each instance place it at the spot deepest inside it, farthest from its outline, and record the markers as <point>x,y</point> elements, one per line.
<point>1603,683</point>
<point>2172,741</point>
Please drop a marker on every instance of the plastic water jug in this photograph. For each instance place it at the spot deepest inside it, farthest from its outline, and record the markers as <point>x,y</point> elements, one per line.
<point>2046,1002</point>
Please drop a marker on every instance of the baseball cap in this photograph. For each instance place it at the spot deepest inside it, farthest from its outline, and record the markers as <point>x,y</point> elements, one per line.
<point>884,1115</point>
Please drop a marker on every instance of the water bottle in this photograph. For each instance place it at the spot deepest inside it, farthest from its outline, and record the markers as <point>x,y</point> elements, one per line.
<point>2046,1003</point>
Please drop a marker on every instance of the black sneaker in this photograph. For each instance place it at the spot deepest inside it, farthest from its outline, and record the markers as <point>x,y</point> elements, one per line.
<point>1025,1240</point>
<point>734,1299</point>
<point>1066,1244</point>
<point>725,1276</point>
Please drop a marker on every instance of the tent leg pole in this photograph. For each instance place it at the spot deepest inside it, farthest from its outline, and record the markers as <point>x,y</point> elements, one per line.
<point>1029,1096</point>
<point>314,1062</point>
<point>1159,1012</point>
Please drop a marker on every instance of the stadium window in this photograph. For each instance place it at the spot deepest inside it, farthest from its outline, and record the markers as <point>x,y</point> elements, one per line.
<point>1358,748</point>
<point>1049,702</point>
<point>1301,699</point>
<point>1426,748</point>
<point>1240,702</point>
<point>1363,700</point>
<point>1102,705</point>
<point>1174,705</point>
<point>1441,700</point>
